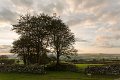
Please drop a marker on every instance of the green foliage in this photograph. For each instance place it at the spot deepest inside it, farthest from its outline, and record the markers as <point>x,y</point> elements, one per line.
<point>62,67</point>
<point>45,59</point>
<point>7,61</point>
<point>22,68</point>
<point>62,39</point>
<point>37,34</point>
<point>111,69</point>
<point>33,41</point>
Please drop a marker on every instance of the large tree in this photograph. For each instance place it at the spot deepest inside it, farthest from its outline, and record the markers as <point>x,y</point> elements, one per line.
<point>62,38</point>
<point>40,32</point>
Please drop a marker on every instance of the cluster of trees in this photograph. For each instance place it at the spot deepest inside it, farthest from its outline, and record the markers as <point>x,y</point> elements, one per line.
<point>3,57</point>
<point>40,35</point>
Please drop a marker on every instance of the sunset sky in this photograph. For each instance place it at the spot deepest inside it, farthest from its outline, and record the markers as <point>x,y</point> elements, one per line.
<point>95,23</point>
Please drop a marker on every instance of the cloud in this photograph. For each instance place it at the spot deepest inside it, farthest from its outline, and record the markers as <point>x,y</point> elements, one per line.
<point>80,40</point>
<point>7,15</point>
<point>6,32</point>
<point>50,7</point>
<point>75,19</point>
<point>106,11</point>
<point>77,11</point>
<point>5,48</point>
<point>108,36</point>
<point>93,21</point>
<point>107,41</point>
<point>22,3</point>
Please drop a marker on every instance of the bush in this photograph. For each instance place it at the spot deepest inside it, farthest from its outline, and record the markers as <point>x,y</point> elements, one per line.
<point>113,69</point>
<point>7,61</point>
<point>22,68</point>
<point>62,67</point>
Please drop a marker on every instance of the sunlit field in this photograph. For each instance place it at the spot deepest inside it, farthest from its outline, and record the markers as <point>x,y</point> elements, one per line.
<point>83,66</point>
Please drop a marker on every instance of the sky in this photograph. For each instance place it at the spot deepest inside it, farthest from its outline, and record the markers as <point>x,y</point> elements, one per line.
<point>95,23</point>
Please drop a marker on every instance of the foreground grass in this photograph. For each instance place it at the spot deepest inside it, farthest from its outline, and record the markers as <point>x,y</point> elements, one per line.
<point>53,75</point>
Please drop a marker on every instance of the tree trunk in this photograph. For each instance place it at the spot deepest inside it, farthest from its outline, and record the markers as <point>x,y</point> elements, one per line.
<point>28,56</point>
<point>24,59</point>
<point>58,58</point>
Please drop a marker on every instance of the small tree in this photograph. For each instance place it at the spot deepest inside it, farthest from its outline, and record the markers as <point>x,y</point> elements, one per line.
<point>34,37</point>
<point>24,48</point>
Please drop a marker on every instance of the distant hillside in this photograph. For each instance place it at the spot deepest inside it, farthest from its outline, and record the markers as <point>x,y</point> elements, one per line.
<point>97,56</point>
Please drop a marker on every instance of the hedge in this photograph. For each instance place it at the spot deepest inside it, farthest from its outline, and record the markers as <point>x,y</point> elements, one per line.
<point>113,69</point>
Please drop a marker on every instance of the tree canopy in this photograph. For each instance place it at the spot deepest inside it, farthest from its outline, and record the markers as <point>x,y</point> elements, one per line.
<point>40,33</point>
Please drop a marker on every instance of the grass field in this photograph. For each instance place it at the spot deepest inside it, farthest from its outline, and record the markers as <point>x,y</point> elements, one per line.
<point>83,66</point>
<point>55,75</point>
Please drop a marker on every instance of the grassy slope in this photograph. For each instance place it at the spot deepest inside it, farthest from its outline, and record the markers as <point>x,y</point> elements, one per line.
<point>52,76</point>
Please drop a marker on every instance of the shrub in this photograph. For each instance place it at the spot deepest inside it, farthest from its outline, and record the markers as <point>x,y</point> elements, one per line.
<point>113,69</point>
<point>22,68</point>
<point>62,67</point>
